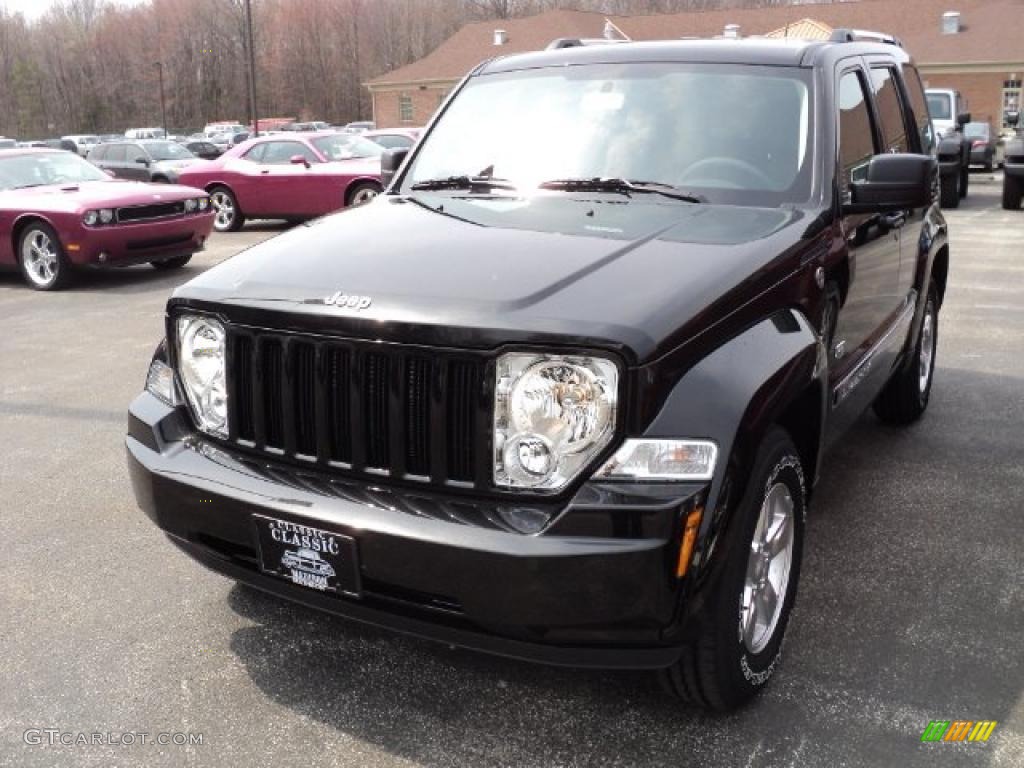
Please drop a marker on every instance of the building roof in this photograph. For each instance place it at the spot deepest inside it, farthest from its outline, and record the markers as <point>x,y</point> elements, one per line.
<point>990,31</point>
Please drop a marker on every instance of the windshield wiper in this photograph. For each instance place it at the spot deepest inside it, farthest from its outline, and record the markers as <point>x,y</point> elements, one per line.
<point>625,187</point>
<point>28,186</point>
<point>463,182</point>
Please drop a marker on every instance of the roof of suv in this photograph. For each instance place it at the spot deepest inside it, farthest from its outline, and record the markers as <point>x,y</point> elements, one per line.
<point>786,53</point>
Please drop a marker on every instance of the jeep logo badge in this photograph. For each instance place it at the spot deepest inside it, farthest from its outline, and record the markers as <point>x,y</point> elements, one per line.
<point>348,301</point>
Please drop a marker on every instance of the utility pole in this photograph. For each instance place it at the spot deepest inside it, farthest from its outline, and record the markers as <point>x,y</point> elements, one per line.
<point>252,68</point>
<point>163,104</point>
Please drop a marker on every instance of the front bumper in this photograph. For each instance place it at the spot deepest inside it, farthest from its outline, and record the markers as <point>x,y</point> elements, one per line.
<point>596,588</point>
<point>126,244</point>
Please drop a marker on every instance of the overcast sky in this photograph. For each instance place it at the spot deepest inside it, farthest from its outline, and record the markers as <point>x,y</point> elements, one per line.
<point>33,9</point>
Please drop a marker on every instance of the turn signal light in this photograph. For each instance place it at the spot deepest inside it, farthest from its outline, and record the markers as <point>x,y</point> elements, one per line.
<point>689,541</point>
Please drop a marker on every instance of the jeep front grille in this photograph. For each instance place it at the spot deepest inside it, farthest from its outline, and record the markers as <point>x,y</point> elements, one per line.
<point>358,407</point>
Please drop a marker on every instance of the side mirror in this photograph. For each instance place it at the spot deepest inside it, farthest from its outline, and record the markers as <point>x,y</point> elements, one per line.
<point>142,161</point>
<point>390,162</point>
<point>894,182</point>
<point>299,160</point>
<point>963,119</point>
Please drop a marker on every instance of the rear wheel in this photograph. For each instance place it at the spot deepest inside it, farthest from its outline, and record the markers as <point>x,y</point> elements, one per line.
<point>176,263</point>
<point>41,257</point>
<point>738,639</point>
<point>949,191</point>
<point>1013,191</point>
<point>906,396</point>
<point>227,215</point>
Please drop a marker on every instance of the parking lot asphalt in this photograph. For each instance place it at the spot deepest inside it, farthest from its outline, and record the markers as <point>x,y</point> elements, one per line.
<point>911,604</point>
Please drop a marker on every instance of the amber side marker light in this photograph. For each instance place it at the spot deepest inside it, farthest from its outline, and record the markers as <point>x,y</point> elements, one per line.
<point>689,540</point>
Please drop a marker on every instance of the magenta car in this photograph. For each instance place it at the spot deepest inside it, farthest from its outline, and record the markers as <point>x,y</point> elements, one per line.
<point>59,212</point>
<point>288,177</point>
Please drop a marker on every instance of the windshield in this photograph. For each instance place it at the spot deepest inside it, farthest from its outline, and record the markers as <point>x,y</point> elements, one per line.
<point>167,150</point>
<point>735,134</point>
<point>46,168</point>
<point>339,146</point>
<point>976,129</point>
<point>939,106</point>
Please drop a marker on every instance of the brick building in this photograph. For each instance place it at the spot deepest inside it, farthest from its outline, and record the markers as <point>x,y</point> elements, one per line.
<point>975,46</point>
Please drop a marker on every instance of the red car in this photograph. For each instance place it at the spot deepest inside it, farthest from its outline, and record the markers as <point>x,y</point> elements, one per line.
<point>59,212</point>
<point>292,177</point>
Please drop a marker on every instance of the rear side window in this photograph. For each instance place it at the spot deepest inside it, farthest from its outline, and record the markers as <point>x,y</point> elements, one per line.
<point>915,92</point>
<point>255,154</point>
<point>115,153</point>
<point>98,154</point>
<point>890,110</point>
<point>856,138</point>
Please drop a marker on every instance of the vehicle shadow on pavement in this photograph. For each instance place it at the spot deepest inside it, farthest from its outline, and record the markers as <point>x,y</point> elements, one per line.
<point>908,612</point>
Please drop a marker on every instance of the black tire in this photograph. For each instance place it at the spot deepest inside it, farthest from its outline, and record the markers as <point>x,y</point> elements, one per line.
<point>718,669</point>
<point>965,181</point>
<point>989,164</point>
<point>905,397</point>
<point>228,217</point>
<point>44,264</point>
<point>176,263</point>
<point>949,191</point>
<point>161,180</point>
<point>361,193</point>
<point>1013,191</point>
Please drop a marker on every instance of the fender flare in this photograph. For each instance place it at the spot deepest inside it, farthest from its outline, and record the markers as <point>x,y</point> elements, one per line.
<point>733,396</point>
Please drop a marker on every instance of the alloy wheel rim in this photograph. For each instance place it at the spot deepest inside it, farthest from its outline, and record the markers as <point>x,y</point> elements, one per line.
<point>224,208</point>
<point>364,196</point>
<point>40,258</point>
<point>768,569</point>
<point>927,357</point>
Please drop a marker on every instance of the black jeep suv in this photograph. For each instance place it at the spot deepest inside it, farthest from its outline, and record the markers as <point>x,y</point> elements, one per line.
<point>563,392</point>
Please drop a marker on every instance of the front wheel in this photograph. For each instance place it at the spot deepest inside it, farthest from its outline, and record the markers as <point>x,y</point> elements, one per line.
<point>965,180</point>
<point>949,191</point>
<point>41,256</point>
<point>1013,191</point>
<point>738,638</point>
<point>227,215</point>
<point>906,396</point>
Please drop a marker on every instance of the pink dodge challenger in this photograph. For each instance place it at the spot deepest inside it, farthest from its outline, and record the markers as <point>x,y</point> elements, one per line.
<point>59,212</point>
<point>294,177</point>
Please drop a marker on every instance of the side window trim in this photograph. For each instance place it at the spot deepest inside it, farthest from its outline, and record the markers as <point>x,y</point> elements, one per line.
<point>854,65</point>
<point>901,99</point>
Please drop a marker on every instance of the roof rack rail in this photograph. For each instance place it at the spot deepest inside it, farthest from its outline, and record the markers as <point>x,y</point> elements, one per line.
<point>577,42</point>
<point>842,35</point>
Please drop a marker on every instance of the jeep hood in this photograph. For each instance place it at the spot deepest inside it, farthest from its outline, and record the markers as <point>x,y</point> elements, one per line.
<point>638,275</point>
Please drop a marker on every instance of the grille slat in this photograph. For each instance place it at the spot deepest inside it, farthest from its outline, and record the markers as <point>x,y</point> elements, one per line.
<point>357,407</point>
<point>151,211</point>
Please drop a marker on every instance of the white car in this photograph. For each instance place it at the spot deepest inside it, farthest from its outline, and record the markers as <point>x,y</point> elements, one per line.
<point>83,142</point>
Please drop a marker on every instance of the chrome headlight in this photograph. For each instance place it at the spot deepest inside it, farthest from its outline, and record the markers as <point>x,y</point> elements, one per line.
<point>91,218</point>
<point>552,415</point>
<point>191,204</point>
<point>204,203</point>
<point>201,366</point>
